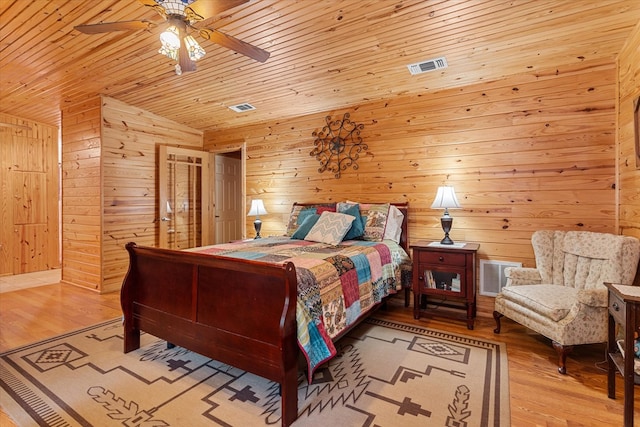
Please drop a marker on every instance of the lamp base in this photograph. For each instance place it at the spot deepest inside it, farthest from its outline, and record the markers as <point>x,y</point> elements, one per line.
<point>446,222</point>
<point>446,240</point>
<point>257,224</point>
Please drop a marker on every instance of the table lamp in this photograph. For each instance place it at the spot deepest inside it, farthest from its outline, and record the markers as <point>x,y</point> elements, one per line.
<point>446,199</point>
<point>257,209</point>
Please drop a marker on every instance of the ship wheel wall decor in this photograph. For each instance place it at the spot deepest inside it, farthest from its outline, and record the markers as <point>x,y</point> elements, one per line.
<point>338,145</point>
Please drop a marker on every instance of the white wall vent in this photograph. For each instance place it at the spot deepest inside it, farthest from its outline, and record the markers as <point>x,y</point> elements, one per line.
<point>241,108</point>
<point>426,66</point>
<point>492,278</point>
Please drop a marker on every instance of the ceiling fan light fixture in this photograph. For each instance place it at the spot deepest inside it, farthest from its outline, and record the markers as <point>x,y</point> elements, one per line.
<point>169,53</point>
<point>193,48</point>
<point>180,18</point>
<point>174,7</point>
<point>170,38</point>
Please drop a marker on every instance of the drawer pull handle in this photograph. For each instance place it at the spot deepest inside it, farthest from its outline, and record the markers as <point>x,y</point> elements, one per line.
<point>615,306</point>
<point>441,259</point>
<point>421,278</point>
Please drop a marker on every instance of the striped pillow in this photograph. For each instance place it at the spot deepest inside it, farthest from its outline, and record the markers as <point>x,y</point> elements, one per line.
<point>330,228</point>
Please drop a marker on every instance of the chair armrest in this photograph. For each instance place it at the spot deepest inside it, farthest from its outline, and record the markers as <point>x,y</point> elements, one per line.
<point>522,276</point>
<point>593,297</point>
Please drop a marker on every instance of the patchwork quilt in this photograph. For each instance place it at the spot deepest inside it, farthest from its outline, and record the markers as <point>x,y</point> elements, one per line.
<point>336,284</point>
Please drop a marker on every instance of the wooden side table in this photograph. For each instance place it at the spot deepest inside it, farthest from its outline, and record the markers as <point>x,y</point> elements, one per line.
<point>446,273</point>
<point>624,309</point>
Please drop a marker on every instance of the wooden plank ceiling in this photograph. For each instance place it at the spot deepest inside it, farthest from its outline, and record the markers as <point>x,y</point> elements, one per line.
<point>325,54</point>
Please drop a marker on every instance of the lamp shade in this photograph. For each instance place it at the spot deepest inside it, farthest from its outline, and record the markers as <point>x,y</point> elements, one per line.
<point>257,208</point>
<point>445,199</point>
<point>170,38</point>
<point>193,48</point>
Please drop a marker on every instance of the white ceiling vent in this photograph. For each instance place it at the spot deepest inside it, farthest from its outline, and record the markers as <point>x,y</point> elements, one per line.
<point>426,66</point>
<point>241,108</point>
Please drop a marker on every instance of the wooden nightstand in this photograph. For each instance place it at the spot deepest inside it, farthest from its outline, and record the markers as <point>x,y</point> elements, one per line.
<point>444,277</point>
<point>624,309</point>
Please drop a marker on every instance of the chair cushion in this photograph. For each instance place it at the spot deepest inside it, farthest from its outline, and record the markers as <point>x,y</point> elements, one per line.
<point>551,301</point>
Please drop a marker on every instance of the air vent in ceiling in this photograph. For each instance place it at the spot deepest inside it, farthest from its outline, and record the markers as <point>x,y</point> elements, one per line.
<point>426,66</point>
<point>241,108</point>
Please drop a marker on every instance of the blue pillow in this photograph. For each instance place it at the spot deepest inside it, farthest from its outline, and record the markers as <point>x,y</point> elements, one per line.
<point>304,214</point>
<point>306,225</point>
<point>357,226</point>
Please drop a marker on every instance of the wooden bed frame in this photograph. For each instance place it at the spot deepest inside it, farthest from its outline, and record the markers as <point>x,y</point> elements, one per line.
<point>239,312</point>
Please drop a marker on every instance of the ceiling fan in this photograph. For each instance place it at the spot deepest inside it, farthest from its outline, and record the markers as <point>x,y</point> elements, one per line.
<point>182,18</point>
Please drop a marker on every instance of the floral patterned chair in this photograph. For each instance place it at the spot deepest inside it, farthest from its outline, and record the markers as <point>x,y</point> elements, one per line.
<point>564,298</point>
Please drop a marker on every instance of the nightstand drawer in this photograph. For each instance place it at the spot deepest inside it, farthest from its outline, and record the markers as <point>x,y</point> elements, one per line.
<point>617,308</point>
<point>444,258</point>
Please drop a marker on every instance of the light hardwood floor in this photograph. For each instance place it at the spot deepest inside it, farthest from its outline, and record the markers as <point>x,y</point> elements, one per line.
<point>539,395</point>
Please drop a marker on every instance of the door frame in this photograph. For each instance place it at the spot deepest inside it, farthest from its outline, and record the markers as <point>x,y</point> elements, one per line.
<point>206,215</point>
<point>242,147</point>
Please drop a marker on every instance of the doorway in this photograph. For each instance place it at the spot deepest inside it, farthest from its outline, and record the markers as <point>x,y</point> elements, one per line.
<point>184,199</point>
<point>229,198</point>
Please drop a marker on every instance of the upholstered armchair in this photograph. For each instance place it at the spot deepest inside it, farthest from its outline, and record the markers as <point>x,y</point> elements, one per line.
<point>564,298</point>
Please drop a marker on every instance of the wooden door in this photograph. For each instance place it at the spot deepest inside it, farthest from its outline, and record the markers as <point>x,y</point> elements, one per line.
<point>228,198</point>
<point>184,201</point>
<point>29,201</point>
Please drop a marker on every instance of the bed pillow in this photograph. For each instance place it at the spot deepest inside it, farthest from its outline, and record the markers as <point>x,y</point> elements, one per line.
<point>296,219</point>
<point>330,228</point>
<point>305,227</point>
<point>374,216</point>
<point>357,227</point>
<point>393,230</point>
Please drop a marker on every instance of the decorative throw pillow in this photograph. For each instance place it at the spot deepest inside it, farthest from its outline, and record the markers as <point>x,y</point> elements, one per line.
<point>393,230</point>
<point>330,228</point>
<point>304,214</point>
<point>305,227</point>
<point>294,220</point>
<point>321,209</point>
<point>357,227</point>
<point>375,220</point>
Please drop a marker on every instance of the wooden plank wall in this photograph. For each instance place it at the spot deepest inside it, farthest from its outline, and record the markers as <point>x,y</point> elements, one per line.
<point>130,137</point>
<point>629,167</point>
<point>109,186</point>
<point>528,152</point>
<point>81,194</point>
<point>29,187</point>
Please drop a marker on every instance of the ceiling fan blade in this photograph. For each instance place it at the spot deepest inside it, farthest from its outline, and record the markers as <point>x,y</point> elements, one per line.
<point>150,3</point>
<point>209,8</point>
<point>155,6</point>
<point>106,27</point>
<point>234,44</point>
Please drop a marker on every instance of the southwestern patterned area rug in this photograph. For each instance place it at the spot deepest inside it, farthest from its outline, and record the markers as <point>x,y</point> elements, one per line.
<point>386,374</point>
